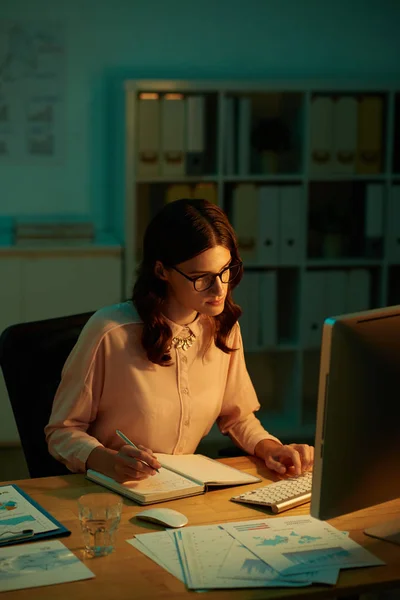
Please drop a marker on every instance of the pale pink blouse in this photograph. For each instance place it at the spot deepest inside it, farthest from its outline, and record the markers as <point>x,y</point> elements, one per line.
<point>108,383</point>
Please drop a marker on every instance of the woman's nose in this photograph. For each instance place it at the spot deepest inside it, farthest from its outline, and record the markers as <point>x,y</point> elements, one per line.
<point>218,288</point>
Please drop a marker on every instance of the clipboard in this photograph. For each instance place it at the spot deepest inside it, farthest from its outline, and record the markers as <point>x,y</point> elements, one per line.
<point>59,529</point>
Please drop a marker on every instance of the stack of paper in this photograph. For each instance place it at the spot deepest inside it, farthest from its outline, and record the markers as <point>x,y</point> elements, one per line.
<point>278,552</point>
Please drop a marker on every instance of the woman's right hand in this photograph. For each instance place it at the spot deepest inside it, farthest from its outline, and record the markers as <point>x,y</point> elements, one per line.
<point>130,464</point>
<point>124,465</point>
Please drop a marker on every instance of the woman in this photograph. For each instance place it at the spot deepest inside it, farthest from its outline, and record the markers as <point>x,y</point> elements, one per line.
<point>165,377</point>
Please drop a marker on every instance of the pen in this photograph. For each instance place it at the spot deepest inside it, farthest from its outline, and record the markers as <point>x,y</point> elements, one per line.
<point>130,443</point>
<point>16,536</point>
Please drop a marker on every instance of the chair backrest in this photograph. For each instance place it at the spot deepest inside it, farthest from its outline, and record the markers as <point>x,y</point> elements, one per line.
<point>32,356</point>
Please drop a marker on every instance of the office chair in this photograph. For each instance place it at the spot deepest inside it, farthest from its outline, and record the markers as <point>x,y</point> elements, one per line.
<point>32,356</point>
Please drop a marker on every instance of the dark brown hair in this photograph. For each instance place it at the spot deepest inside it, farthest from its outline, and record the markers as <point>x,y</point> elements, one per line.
<point>181,230</point>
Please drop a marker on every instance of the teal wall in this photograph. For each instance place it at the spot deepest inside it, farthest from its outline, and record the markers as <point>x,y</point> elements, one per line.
<point>108,41</point>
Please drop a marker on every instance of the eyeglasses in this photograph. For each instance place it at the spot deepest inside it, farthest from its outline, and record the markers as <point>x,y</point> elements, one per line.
<point>205,282</point>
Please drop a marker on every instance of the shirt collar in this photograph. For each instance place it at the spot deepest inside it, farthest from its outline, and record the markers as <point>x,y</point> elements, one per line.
<point>185,330</point>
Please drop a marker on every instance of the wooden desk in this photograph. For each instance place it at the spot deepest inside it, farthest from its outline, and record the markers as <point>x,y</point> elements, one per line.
<point>128,574</point>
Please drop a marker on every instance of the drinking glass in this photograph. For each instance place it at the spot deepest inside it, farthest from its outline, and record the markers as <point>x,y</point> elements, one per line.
<point>99,516</point>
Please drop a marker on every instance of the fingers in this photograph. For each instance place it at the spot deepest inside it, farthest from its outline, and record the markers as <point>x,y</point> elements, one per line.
<point>136,463</point>
<point>296,458</point>
<point>306,453</point>
<point>149,457</point>
<point>282,458</point>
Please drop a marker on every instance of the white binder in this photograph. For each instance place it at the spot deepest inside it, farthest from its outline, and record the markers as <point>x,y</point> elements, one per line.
<point>291,234</point>
<point>394,225</point>
<point>173,135</point>
<point>267,226</point>
<point>245,219</point>
<point>313,308</point>
<point>229,136</point>
<point>370,125</point>
<point>335,293</point>
<point>345,122</point>
<point>374,219</point>
<point>254,309</point>
<point>244,130</point>
<point>321,135</point>
<point>241,296</point>
<point>195,135</point>
<point>268,309</point>
<point>148,157</point>
<point>358,290</point>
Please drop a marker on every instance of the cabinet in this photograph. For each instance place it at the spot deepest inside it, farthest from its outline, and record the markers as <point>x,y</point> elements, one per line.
<point>309,175</point>
<point>45,283</point>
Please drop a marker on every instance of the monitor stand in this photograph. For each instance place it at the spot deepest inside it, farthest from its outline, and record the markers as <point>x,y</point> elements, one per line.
<point>388,531</point>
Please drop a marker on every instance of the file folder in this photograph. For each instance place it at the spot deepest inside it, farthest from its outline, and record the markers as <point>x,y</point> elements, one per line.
<point>206,191</point>
<point>335,293</point>
<point>26,521</point>
<point>370,124</point>
<point>313,308</point>
<point>229,136</point>
<point>268,309</point>
<point>195,135</point>
<point>245,219</point>
<point>358,290</point>
<point>178,191</point>
<point>345,122</point>
<point>394,225</point>
<point>148,157</point>
<point>321,135</point>
<point>374,220</point>
<point>242,297</point>
<point>244,130</point>
<point>292,227</point>
<point>268,225</point>
<point>173,135</point>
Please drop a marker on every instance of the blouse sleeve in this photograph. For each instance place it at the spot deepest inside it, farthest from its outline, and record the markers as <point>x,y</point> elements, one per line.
<point>76,403</point>
<point>237,418</point>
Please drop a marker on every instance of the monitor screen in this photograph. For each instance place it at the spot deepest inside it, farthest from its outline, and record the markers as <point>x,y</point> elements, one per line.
<point>357,442</point>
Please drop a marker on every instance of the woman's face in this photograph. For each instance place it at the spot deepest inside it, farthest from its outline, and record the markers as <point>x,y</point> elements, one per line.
<point>181,291</point>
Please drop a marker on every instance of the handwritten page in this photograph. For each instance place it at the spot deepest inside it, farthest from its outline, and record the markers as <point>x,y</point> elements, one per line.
<point>33,565</point>
<point>165,480</point>
<point>204,469</point>
<point>17,513</point>
<point>294,545</point>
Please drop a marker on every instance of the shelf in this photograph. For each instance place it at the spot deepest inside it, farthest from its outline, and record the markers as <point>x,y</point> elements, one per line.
<point>343,262</point>
<point>314,241</point>
<point>264,178</point>
<point>178,179</point>
<point>349,177</point>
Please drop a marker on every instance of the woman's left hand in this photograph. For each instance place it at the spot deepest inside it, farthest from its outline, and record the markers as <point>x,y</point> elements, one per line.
<point>290,459</point>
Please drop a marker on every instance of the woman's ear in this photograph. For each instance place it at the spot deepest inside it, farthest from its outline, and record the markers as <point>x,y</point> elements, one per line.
<point>159,271</point>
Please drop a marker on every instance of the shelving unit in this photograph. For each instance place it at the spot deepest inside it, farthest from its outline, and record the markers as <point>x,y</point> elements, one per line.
<point>309,175</point>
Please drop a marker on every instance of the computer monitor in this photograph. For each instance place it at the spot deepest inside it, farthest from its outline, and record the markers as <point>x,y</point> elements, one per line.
<point>357,441</point>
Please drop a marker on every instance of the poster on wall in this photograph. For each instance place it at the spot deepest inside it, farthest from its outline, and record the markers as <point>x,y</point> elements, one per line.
<point>32,93</point>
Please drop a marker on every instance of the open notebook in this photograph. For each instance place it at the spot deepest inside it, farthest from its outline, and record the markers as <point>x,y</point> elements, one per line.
<point>181,475</point>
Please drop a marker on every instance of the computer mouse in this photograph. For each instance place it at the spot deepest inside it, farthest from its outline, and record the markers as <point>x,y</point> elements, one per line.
<point>163,516</point>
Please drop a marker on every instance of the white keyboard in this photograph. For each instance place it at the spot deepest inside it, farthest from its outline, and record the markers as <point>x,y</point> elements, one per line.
<point>280,495</point>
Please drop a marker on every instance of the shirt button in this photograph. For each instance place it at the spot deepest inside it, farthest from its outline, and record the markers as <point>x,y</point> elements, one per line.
<point>184,359</point>
<point>185,391</point>
<point>187,423</point>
